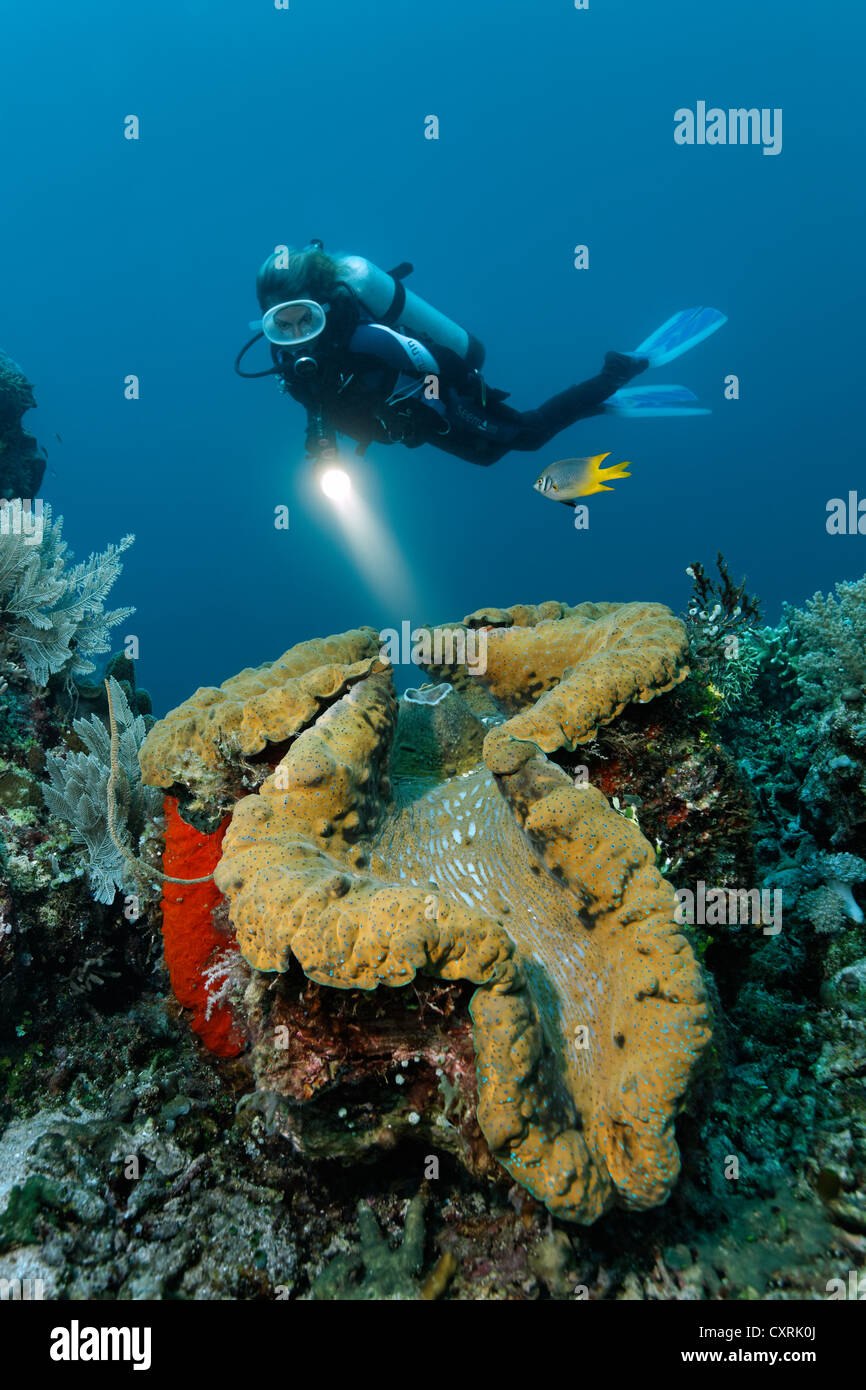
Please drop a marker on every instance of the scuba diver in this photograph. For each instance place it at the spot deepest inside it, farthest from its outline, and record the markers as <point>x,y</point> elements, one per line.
<point>369,359</point>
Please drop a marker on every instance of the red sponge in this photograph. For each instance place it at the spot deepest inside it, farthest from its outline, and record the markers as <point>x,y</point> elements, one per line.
<point>191,940</point>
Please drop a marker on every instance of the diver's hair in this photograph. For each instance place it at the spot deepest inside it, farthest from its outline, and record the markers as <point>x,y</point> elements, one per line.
<point>310,274</point>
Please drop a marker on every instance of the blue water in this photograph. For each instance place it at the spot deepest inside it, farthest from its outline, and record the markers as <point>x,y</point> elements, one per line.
<point>260,127</point>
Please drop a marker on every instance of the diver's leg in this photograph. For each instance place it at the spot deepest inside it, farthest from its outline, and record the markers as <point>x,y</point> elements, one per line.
<point>484,435</point>
<point>475,447</point>
<point>535,428</point>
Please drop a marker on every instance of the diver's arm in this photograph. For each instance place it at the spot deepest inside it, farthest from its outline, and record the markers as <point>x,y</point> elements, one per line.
<point>320,437</point>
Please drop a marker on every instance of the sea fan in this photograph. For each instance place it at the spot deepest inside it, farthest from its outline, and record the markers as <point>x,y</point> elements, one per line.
<point>77,791</point>
<point>52,612</point>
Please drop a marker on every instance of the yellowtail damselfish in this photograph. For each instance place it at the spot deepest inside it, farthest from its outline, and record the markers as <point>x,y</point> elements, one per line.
<point>569,479</point>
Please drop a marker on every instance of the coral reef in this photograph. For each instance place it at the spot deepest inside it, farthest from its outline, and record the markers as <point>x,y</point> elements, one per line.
<point>133,1182</point>
<point>445,942</point>
<point>59,949</point>
<point>21,465</point>
<point>135,1164</point>
<point>67,944</point>
<point>800,736</point>
<point>787,1101</point>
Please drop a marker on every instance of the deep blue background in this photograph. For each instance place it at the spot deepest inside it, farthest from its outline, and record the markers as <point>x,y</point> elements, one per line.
<point>261,126</point>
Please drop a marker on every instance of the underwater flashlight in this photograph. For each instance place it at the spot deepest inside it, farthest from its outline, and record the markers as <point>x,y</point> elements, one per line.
<point>336,484</point>
<point>327,463</point>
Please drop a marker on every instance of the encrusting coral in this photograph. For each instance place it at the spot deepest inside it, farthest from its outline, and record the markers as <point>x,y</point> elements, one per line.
<point>589,1012</point>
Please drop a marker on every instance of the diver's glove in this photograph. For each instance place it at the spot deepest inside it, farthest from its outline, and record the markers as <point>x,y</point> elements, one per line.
<point>621,367</point>
<point>320,439</point>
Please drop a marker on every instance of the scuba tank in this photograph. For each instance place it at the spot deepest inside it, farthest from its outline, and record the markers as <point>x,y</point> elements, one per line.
<point>339,294</point>
<point>386,300</point>
<point>381,295</point>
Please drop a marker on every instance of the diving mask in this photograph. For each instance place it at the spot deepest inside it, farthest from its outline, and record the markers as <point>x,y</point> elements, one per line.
<point>294,323</point>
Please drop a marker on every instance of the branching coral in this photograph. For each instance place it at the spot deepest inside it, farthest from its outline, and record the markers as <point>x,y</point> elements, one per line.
<point>824,908</point>
<point>374,1270</point>
<point>725,646</point>
<point>831,633</point>
<point>801,734</point>
<point>723,600</point>
<point>840,873</point>
<point>52,613</point>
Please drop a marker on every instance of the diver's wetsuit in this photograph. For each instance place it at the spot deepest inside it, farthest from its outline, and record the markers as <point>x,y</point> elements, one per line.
<point>483,434</point>
<point>364,395</point>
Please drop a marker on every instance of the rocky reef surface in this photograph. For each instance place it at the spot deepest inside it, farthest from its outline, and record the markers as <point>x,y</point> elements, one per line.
<point>312,1142</point>
<point>22,462</point>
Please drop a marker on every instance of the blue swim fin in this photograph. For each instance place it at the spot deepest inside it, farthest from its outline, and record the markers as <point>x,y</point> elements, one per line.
<point>653,400</point>
<point>681,332</point>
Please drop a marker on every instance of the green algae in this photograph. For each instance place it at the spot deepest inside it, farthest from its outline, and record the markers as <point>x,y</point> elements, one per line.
<point>18,1223</point>
<point>375,1271</point>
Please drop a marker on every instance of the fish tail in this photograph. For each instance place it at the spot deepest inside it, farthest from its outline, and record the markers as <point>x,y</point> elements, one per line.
<point>616,470</point>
